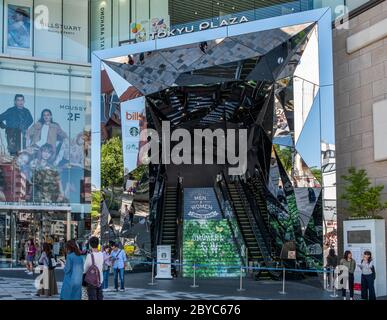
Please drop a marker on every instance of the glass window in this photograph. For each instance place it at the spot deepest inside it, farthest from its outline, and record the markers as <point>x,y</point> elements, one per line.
<point>79,183</point>
<point>45,157</point>
<point>75,30</point>
<point>18,30</point>
<point>1,24</point>
<point>48,23</point>
<point>353,4</point>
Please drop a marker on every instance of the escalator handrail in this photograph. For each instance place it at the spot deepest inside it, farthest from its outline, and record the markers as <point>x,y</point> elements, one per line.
<point>253,224</point>
<point>239,242</point>
<point>256,217</point>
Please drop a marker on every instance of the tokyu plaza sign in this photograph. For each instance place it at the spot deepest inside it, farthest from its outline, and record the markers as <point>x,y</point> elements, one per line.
<point>202,26</point>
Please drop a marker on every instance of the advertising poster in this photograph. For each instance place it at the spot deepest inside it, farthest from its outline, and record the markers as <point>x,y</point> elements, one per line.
<point>19,27</point>
<point>207,238</point>
<point>44,151</point>
<point>164,262</point>
<point>133,118</point>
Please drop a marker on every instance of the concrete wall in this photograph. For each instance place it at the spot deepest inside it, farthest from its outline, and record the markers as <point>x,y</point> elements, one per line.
<point>360,81</point>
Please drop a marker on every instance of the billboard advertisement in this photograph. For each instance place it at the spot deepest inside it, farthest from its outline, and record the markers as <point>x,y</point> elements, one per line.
<point>44,151</point>
<point>207,238</point>
<point>133,121</point>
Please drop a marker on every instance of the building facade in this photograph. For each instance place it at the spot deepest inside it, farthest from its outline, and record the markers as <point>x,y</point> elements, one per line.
<point>360,74</point>
<point>45,52</point>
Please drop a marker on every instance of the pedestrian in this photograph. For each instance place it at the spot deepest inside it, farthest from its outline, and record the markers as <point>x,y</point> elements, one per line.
<point>93,270</point>
<point>56,248</point>
<point>31,251</point>
<point>48,287</point>
<point>118,261</point>
<point>350,264</point>
<point>107,263</point>
<point>72,282</point>
<point>331,264</point>
<point>368,276</point>
<point>132,212</point>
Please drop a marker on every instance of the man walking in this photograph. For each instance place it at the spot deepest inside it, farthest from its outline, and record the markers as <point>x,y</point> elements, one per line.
<point>118,259</point>
<point>17,120</point>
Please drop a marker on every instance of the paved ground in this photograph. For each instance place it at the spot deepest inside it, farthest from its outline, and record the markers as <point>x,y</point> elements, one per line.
<point>17,285</point>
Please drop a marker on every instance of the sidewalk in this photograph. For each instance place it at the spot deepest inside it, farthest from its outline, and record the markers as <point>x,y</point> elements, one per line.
<point>15,285</point>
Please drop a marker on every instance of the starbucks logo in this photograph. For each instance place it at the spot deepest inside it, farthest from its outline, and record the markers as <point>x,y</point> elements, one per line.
<point>134,132</point>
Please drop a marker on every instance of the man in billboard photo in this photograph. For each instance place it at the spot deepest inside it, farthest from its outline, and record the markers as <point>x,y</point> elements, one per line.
<point>19,27</point>
<point>17,121</point>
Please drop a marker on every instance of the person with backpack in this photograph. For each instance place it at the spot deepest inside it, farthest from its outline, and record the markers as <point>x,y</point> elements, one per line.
<point>47,261</point>
<point>368,276</point>
<point>118,257</point>
<point>93,271</point>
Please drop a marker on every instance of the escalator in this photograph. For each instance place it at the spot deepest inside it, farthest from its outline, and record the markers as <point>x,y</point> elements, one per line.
<point>169,220</point>
<point>257,249</point>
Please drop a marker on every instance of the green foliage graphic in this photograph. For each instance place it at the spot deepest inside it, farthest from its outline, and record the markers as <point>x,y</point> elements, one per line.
<point>209,242</point>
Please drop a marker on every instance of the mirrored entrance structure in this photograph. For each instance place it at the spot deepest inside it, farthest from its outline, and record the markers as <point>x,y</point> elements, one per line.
<point>271,77</point>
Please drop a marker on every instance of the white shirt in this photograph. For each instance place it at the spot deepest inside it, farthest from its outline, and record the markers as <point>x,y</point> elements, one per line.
<point>98,260</point>
<point>43,135</point>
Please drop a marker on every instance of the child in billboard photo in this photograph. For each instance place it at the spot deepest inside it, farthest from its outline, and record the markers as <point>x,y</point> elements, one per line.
<point>45,177</point>
<point>17,121</point>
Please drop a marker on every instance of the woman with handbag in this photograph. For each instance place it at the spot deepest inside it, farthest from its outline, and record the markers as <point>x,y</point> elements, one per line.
<point>368,276</point>
<point>48,285</point>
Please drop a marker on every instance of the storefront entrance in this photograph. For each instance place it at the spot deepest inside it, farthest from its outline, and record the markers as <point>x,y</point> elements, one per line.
<point>55,227</point>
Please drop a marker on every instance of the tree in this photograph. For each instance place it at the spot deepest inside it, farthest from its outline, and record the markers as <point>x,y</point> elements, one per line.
<point>285,155</point>
<point>95,204</point>
<point>317,173</point>
<point>112,164</point>
<point>363,200</point>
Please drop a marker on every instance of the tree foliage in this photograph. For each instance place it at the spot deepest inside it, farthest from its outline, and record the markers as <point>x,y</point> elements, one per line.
<point>363,199</point>
<point>112,163</point>
<point>285,155</point>
<point>95,204</point>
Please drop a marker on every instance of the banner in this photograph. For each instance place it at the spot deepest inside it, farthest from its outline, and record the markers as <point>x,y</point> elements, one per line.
<point>132,122</point>
<point>207,238</point>
<point>163,262</point>
<point>44,152</point>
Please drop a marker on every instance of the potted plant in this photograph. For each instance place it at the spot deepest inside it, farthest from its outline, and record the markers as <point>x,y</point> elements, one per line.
<point>363,199</point>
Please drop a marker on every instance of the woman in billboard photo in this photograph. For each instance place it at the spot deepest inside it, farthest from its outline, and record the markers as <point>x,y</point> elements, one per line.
<point>46,131</point>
